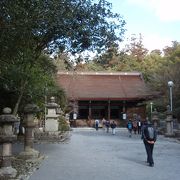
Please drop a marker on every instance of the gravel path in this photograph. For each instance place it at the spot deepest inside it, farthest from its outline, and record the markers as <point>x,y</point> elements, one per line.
<point>97,155</point>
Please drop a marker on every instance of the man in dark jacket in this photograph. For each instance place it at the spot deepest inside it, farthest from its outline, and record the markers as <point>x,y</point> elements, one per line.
<point>107,125</point>
<point>149,136</point>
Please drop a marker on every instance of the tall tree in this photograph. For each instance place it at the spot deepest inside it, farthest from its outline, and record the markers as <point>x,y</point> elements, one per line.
<point>28,28</point>
<point>63,62</point>
<point>25,84</point>
<point>109,58</point>
<point>136,48</point>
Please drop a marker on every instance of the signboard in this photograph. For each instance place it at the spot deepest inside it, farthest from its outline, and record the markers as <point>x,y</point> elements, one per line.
<point>74,116</point>
<point>124,116</point>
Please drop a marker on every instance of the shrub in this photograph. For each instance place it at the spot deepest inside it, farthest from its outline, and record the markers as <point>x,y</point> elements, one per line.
<point>63,124</point>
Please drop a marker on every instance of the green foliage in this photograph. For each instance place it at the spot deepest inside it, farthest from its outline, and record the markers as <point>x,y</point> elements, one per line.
<point>136,48</point>
<point>91,66</point>
<point>63,125</point>
<point>167,69</point>
<point>129,59</point>
<point>157,69</point>
<point>108,58</point>
<point>32,28</point>
<point>62,62</point>
<point>22,83</point>
<point>59,93</point>
<point>57,25</point>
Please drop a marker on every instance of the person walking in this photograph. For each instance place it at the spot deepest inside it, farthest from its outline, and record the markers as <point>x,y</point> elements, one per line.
<point>139,127</point>
<point>130,127</point>
<point>139,124</point>
<point>149,136</point>
<point>97,124</point>
<point>107,125</point>
<point>134,126</point>
<point>113,127</point>
<point>103,123</point>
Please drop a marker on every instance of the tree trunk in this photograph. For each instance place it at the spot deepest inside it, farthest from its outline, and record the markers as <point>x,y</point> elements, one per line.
<point>15,110</point>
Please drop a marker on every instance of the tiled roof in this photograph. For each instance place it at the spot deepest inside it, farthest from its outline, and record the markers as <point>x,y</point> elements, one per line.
<point>103,86</point>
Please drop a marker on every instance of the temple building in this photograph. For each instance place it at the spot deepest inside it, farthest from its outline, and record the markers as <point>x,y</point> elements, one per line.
<point>96,95</point>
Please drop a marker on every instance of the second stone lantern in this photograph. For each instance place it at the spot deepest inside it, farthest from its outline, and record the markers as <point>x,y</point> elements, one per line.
<point>52,117</point>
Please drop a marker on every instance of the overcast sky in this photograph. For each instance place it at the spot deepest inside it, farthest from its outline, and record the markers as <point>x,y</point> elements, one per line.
<point>157,20</point>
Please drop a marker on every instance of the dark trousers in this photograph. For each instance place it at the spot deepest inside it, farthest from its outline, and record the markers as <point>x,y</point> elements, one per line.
<point>96,126</point>
<point>107,129</point>
<point>149,151</point>
<point>139,129</point>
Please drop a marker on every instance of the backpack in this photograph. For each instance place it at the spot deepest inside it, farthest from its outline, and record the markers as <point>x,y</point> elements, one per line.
<point>150,133</point>
<point>129,126</point>
<point>107,123</point>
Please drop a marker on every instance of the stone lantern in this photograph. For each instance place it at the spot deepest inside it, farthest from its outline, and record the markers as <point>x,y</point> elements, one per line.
<point>6,138</point>
<point>155,118</point>
<point>29,124</point>
<point>52,117</point>
<point>169,123</point>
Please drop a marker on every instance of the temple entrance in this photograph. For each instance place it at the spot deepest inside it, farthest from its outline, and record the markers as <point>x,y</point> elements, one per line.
<point>98,113</point>
<point>83,113</point>
<point>88,111</point>
<point>99,109</point>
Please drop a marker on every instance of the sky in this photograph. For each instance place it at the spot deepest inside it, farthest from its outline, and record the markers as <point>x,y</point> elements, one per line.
<point>157,20</point>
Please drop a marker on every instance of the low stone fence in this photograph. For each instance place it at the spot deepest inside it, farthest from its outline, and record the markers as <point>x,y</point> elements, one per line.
<point>50,137</point>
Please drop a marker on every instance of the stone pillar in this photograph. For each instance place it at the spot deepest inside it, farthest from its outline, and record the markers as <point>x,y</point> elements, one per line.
<point>124,106</point>
<point>90,110</point>
<point>155,118</point>
<point>124,115</point>
<point>109,110</point>
<point>75,107</point>
<point>29,125</point>
<point>6,138</point>
<point>169,124</point>
<point>75,112</point>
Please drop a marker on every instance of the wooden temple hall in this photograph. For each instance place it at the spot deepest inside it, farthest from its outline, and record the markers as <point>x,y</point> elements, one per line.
<point>94,95</point>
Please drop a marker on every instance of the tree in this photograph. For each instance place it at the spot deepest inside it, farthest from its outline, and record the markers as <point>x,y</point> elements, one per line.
<point>26,84</point>
<point>30,28</point>
<point>168,71</point>
<point>58,24</point>
<point>131,58</point>
<point>136,48</point>
<point>63,62</point>
<point>109,58</point>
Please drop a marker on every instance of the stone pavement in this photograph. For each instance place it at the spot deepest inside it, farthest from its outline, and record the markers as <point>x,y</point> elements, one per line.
<point>97,155</point>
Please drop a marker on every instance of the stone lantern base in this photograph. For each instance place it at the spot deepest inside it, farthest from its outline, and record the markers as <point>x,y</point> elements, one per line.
<point>29,154</point>
<point>7,172</point>
<point>51,124</point>
<point>169,135</point>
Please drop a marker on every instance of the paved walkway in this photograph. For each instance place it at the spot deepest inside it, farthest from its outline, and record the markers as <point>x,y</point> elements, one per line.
<point>97,155</point>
